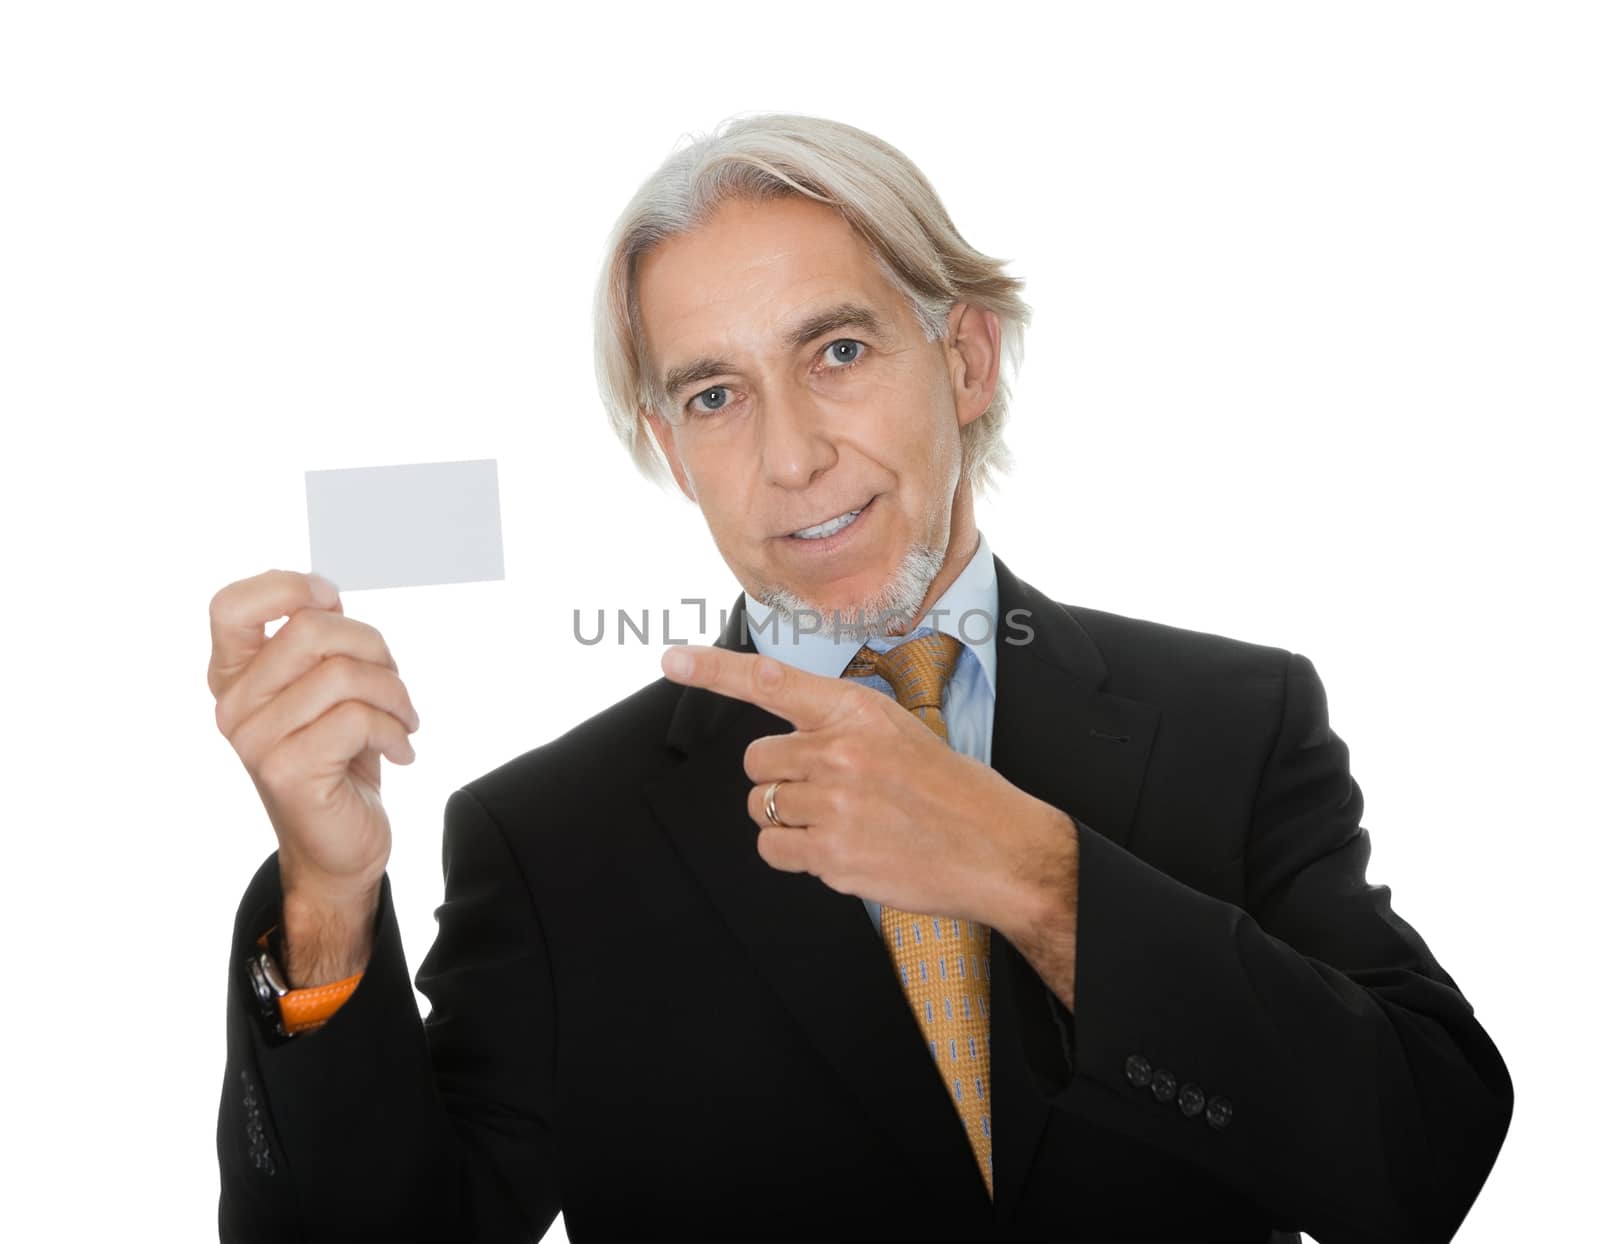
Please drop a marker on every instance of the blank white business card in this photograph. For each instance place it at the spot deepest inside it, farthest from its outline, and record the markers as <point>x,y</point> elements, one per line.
<point>406,526</point>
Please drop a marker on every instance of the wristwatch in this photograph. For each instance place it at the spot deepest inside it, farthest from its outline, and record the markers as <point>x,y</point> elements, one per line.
<point>289,1012</point>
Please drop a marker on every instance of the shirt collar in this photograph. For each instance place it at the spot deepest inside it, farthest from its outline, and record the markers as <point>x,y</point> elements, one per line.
<point>972,590</point>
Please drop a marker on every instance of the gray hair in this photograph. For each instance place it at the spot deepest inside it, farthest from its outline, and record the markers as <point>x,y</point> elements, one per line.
<point>882,195</point>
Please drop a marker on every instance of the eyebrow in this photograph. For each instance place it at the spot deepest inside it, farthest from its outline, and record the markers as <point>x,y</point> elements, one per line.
<point>829,319</point>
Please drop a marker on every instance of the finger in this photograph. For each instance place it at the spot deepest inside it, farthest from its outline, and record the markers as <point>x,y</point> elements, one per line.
<point>791,756</point>
<point>800,805</point>
<point>788,850</point>
<point>307,639</point>
<point>316,694</point>
<point>240,613</point>
<point>807,700</point>
<point>327,747</point>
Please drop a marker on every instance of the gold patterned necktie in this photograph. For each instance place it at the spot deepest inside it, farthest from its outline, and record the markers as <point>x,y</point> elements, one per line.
<point>943,963</point>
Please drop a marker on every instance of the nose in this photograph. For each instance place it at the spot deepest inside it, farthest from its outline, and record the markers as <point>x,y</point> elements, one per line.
<point>795,447</point>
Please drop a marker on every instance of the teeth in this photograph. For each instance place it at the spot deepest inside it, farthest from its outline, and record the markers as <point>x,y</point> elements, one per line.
<point>828,528</point>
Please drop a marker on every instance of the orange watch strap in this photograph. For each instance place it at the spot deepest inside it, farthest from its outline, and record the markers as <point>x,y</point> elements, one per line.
<point>305,1010</point>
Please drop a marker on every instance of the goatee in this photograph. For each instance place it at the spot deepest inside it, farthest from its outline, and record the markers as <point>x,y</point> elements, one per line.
<point>888,611</point>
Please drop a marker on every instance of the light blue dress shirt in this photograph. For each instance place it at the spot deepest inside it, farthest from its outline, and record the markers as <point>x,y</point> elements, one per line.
<point>969,610</point>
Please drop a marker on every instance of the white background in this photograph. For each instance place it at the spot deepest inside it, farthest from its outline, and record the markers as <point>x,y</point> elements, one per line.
<point>1313,365</point>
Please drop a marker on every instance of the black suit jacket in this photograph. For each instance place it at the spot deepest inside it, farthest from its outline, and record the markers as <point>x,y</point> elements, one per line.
<point>637,1021</point>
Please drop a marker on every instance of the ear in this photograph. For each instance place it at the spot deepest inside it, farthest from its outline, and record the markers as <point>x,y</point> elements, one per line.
<point>972,352</point>
<point>665,438</point>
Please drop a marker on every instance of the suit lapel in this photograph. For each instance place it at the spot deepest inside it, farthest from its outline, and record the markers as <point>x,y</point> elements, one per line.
<point>1056,736</point>
<point>1065,741</point>
<point>815,946</point>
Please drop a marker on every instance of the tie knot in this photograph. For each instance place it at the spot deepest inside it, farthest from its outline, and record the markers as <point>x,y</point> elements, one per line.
<point>917,669</point>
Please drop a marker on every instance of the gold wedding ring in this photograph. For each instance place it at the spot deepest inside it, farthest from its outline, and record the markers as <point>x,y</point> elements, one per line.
<point>772,805</point>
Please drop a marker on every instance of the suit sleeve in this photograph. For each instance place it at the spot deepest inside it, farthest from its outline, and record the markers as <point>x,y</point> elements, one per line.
<point>380,1124</point>
<point>1359,1098</point>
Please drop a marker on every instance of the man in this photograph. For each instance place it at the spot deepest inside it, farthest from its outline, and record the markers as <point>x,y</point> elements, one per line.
<point>945,909</point>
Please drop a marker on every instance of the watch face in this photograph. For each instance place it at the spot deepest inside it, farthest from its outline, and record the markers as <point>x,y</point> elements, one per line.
<point>267,979</point>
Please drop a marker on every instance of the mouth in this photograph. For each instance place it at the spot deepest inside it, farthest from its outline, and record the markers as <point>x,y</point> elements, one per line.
<point>830,527</point>
<point>832,535</point>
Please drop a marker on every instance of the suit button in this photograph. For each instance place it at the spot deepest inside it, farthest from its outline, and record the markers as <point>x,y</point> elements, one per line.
<point>1219,1111</point>
<point>1164,1085</point>
<point>1191,1100</point>
<point>1137,1069</point>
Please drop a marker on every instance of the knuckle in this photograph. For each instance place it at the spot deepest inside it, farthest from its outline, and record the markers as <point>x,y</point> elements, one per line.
<point>301,625</point>
<point>273,769</point>
<point>828,849</point>
<point>223,597</point>
<point>339,674</point>
<point>768,673</point>
<point>352,715</point>
<point>232,715</point>
<point>844,754</point>
<point>373,639</point>
<point>863,699</point>
<point>759,756</point>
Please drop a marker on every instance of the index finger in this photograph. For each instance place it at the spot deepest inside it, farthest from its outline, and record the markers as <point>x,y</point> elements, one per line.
<point>240,613</point>
<point>807,700</point>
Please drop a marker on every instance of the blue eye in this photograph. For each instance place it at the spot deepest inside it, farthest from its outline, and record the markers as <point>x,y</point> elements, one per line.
<point>712,407</point>
<point>855,348</point>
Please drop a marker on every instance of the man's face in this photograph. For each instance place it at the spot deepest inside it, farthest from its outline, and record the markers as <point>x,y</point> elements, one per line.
<point>779,428</point>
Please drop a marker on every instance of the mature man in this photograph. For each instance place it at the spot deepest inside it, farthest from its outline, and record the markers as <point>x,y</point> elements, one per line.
<point>920,904</point>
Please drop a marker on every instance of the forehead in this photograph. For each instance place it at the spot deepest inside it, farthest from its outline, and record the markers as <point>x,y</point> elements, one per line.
<point>745,275</point>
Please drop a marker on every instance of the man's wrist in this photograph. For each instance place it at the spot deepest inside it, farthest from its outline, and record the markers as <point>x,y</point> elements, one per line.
<point>326,940</point>
<point>1045,931</point>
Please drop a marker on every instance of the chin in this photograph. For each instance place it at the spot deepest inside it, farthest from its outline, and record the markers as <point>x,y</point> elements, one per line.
<point>884,595</point>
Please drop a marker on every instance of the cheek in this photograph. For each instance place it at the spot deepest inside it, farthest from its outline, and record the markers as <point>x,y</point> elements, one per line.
<point>722,494</point>
<point>707,471</point>
<point>913,430</point>
<point>897,422</point>
<point>913,391</point>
